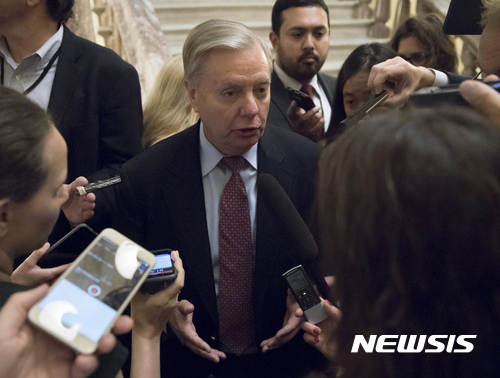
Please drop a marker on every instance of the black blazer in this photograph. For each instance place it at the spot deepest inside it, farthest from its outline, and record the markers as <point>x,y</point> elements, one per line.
<point>280,101</point>
<point>162,205</point>
<point>96,105</point>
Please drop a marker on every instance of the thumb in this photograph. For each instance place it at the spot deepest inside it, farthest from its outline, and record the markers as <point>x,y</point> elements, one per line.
<point>19,304</point>
<point>483,98</point>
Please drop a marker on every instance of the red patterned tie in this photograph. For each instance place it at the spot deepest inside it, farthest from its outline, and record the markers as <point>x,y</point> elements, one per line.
<point>235,301</point>
<point>308,90</point>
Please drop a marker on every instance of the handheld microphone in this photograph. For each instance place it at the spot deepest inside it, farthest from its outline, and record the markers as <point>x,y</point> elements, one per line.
<point>293,226</point>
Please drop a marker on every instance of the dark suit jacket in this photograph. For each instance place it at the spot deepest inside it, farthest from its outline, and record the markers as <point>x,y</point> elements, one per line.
<point>280,101</point>
<point>162,206</point>
<point>96,105</point>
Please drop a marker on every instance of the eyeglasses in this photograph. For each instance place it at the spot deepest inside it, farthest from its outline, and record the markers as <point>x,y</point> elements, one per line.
<point>417,59</point>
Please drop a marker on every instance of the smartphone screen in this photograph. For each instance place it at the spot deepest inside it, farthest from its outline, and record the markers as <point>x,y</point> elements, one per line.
<point>163,265</point>
<point>87,298</point>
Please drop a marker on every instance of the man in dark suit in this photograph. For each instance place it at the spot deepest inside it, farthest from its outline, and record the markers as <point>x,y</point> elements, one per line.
<point>171,194</point>
<point>301,38</point>
<point>92,94</point>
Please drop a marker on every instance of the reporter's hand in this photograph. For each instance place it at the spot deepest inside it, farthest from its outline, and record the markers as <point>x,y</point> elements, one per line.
<point>29,352</point>
<point>181,322</point>
<point>152,312</point>
<point>482,98</point>
<point>31,275</point>
<point>322,335</point>
<point>78,209</point>
<point>310,124</point>
<point>291,325</point>
<point>400,79</point>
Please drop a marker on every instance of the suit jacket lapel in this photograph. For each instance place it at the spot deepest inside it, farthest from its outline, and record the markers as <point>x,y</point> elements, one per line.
<point>279,96</point>
<point>184,182</point>
<point>66,77</point>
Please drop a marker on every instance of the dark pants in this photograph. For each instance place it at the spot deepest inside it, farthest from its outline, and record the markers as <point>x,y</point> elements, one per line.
<point>295,359</point>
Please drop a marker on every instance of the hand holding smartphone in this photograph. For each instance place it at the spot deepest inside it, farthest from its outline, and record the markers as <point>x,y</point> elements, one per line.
<point>86,300</point>
<point>302,99</point>
<point>162,274</point>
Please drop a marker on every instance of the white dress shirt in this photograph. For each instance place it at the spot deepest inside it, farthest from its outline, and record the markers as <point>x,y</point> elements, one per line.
<point>20,77</point>
<point>215,177</point>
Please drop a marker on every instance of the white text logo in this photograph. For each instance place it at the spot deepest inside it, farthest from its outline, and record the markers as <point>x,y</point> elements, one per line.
<point>413,343</point>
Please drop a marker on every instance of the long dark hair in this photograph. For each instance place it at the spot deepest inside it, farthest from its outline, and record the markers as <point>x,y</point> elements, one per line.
<point>362,59</point>
<point>428,30</point>
<point>409,207</point>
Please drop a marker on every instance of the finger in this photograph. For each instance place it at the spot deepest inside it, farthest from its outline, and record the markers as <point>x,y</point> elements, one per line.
<point>491,78</point>
<point>41,251</point>
<point>84,365</point>
<point>106,343</point>
<point>16,308</point>
<point>311,329</point>
<point>185,307</point>
<point>25,300</point>
<point>79,181</point>
<point>56,271</point>
<point>310,339</point>
<point>482,98</point>
<point>331,310</point>
<point>123,325</point>
<point>197,342</point>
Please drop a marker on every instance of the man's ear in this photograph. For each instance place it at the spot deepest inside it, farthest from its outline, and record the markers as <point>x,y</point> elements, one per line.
<point>5,205</point>
<point>274,38</point>
<point>191,90</point>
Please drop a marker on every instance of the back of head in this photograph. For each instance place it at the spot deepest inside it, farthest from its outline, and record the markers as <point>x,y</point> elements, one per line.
<point>282,5</point>
<point>491,12</point>
<point>24,128</point>
<point>428,31</point>
<point>60,10</point>
<point>168,109</point>
<point>361,59</point>
<point>409,206</point>
<point>217,34</point>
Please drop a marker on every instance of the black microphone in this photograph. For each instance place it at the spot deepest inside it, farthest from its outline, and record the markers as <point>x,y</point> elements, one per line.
<point>290,223</point>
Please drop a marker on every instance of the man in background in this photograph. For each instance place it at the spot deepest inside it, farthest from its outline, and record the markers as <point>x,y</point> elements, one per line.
<point>301,38</point>
<point>92,94</point>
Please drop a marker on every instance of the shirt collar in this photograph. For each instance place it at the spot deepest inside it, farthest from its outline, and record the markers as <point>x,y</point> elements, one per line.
<point>211,156</point>
<point>44,53</point>
<point>47,51</point>
<point>289,81</point>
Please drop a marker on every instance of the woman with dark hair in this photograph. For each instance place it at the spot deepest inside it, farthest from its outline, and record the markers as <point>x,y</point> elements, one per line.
<point>409,206</point>
<point>421,41</point>
<point>352,90</point>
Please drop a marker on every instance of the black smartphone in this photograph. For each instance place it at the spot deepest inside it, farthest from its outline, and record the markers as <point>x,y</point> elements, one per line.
<point>302,100</point>
<point>69,247</point>
<point>305,294</point>
<point>449,94</point>
<point>162,274</point>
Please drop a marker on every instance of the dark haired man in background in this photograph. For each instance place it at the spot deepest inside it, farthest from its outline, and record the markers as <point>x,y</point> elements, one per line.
<point>301,38</point>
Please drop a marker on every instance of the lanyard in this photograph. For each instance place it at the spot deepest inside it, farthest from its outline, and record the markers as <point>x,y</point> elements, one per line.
<point>40,78</point>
